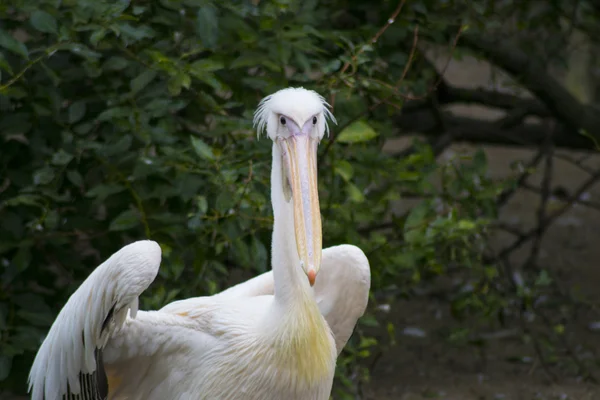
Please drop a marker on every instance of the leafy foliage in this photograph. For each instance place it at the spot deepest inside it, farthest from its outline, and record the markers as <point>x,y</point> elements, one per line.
<point>122,120</point>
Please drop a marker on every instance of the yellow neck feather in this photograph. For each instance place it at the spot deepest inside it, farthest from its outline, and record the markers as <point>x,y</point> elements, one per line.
<point>305,347</point>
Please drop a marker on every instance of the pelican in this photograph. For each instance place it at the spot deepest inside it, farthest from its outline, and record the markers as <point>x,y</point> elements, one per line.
<point>274,337</point>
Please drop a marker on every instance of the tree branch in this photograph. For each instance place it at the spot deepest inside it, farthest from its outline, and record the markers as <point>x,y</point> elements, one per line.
<point>423,121</point>
<point>529,235</point>
<point>522,67</point>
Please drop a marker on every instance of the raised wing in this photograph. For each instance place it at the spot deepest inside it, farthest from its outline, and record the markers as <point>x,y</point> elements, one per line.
<point>341,289</point>
<point>69,364</point>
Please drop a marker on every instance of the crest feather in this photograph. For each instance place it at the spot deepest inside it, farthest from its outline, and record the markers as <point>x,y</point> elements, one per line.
<point>285,101</point>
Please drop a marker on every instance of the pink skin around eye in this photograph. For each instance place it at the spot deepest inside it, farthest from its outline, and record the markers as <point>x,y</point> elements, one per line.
<point>307,127</point>
<point>295,131</point>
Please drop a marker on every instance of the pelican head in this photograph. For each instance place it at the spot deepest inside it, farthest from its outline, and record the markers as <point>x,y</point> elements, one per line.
<point>296,120</point>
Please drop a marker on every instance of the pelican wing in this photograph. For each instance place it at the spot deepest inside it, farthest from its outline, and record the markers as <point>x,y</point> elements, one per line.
<point>341,289</point>
<point>69,364</point>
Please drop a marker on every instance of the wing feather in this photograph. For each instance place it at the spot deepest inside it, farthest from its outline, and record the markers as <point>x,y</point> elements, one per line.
<point>69,363</point>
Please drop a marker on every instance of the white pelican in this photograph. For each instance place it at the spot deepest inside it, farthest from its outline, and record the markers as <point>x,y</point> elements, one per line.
<point>276,336</point>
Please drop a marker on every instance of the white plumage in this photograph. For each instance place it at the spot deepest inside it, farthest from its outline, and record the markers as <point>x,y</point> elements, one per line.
<point>276,336</point>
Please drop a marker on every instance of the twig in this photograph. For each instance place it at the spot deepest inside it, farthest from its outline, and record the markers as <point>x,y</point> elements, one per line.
<point>378,102</point>
<point>506,194</point>
<point>395,89</point>
<point>374,39</point>
<point>548,149</point>
<point>30,64</point>
<point>507,228</point>
<point>411,57</point>
<point>246,184</point>
<point>578,163</point>
<point>538,351</point>
<point>551,218</point>
<point>585,203</point>
<point>582,368</point>
<point>509,272</point>
<point>441,74</point>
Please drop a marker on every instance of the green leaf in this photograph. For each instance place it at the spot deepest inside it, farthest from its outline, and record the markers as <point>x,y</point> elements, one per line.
<point>211,80</point>
<point>207,25</point>
<point>466,225</point>
<point>5,65</point>
<point>409,175</point>
<point>43,176</point>
<point>126,220</point>
<point>178,81</point>
<point>115,63</point>
<point>101,192</point>
<point>543,279</point>
<point>10,43</point>
<point>5,366</point>
<point>480,162</point>
<point>354,193</point>
<point>416,222</point>
<point>43,22</point>
<point>205,65</point>
<point>121,146</point>
<point>135,33</point>
<point>114,113</point>
<point>252,60</point>
<point>76,111</point>
<point>202,204</point>
<point>344,169</point>
<point>202,149</point>
<point>224,202</point>
<point>81,50</point>
<point>22,259</point>
<point>23,199</point>
<point>75,178</point>
<point>61,157</point>
<point>142,80</point>
<point>97,36</point>
<point>357,132</point>
<point>241,253</point>
<point>369,320</point>
<point>259,255</point>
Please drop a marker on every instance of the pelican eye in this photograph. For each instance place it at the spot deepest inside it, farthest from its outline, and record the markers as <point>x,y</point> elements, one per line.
<point>314,120</point>
<point>282,120</point>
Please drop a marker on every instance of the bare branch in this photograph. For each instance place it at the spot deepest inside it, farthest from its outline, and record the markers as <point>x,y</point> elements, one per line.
<point>548,149</point>
<point>550,218</point>
<point>423,121</point>
<point>523,68</point>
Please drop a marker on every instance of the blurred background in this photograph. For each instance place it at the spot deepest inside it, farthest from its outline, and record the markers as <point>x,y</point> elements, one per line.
<point>464,163</point>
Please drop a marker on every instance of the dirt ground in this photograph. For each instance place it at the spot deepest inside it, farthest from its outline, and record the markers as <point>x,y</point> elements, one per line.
<point>427,368</point>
